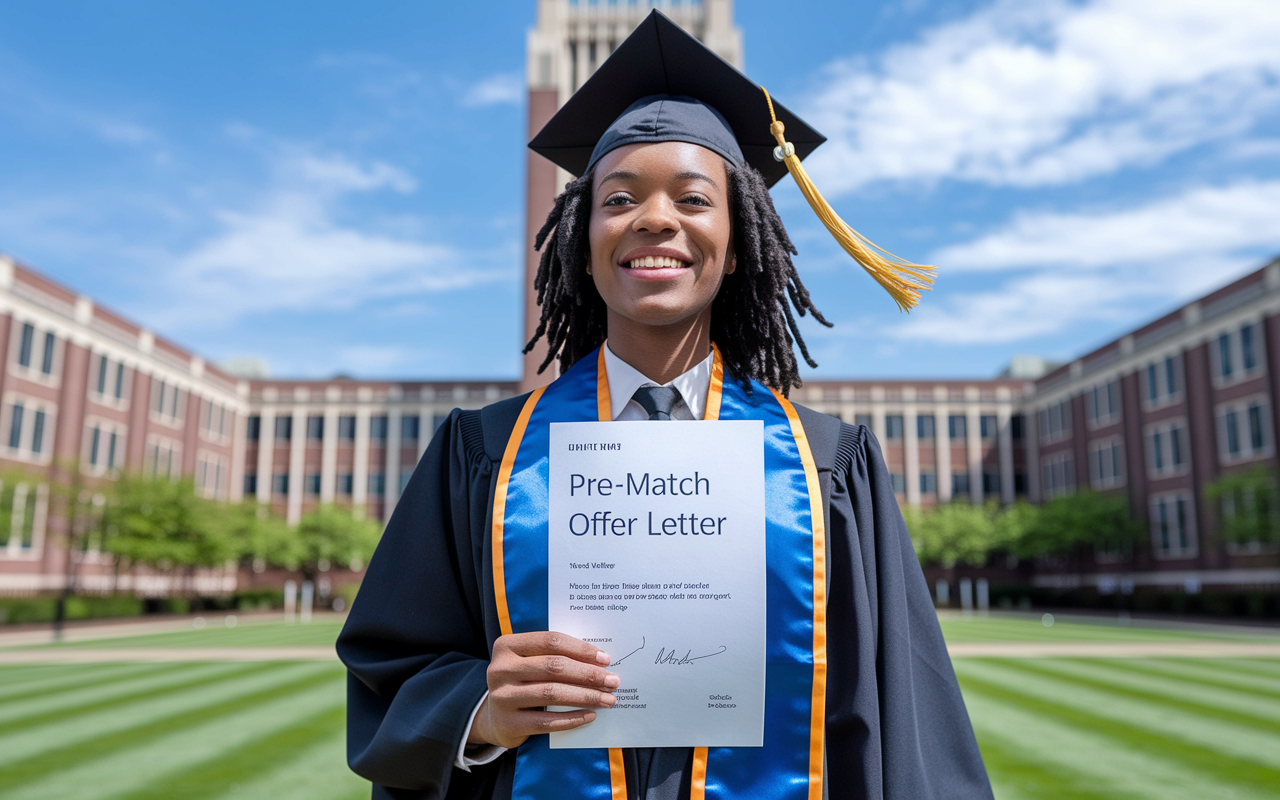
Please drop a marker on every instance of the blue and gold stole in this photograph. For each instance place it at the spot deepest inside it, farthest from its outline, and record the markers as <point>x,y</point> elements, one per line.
<point>789,766</point>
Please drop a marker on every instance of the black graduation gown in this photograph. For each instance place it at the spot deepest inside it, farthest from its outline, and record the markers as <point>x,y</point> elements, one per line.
<point>418,636</point>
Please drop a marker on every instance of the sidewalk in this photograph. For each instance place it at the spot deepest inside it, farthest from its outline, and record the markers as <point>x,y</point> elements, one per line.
<point>91,630</point>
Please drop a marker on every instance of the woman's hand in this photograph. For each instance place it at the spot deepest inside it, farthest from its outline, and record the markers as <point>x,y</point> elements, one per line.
<point>531,670</point>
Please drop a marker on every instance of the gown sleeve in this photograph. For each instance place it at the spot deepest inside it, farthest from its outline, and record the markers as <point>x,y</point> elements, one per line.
<point>414,642</point>
<point>897,727</point>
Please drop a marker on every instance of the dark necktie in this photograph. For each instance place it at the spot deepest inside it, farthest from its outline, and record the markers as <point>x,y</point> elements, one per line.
<point>656,400</point>
<point>661,773</point>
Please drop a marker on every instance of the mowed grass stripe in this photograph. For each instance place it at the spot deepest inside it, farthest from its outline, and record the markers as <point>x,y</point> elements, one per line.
<point>1262,667</point>
<point>1224,767</point>
<point>123,773</point>
<point>213,778</point>
<point>275,634</point>
<point>1015,773</point>
<point>1257,701</point>
<point>56,678</point>
<point>32,741</point>
<point>1209,673</point>
<point>53,759</point>
<point>319,773</point>
<point>1094,763</point>
<point>180,678</point>
<point>1076,672</point>
<point>1210,734</point>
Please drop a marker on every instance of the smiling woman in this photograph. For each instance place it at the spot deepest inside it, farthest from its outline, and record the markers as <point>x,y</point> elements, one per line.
<point>668,245</point>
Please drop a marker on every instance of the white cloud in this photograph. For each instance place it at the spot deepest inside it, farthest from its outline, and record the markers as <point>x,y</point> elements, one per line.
<point>293,252</point>
<point>1074,268</point>
<point>1199,224</point>
<point>503,89</point>
<point>1049,94</point>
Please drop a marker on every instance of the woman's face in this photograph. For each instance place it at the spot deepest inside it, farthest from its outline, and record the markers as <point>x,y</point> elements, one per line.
<point>661,234</point>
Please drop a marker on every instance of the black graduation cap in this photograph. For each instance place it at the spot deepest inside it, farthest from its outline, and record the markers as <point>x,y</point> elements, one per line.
<point>663,85</point>
<point>659,58</point>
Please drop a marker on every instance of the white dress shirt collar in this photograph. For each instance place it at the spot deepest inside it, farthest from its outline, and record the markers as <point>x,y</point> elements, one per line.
<point>624,379</point>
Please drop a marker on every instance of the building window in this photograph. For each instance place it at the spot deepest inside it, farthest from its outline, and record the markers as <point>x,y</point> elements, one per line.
<point>377,484</point>
<point>347,428</point>
<point>1237,354</point>
<point>24,346</point>
<point>280,483</point>
<point>119,393</point>
<point>315,428</point>
<point>165,458</point>
<point>1102,404</point>
<point>1057,476</point>
<point>378,428</point>
<point>284,429</point>
<point>959,482</point>
<point>925,428</point>
<point>253,428</point>
<point>958,426</point>
<point>103,366</point>
<point>93,446</point>
<point>1172,526</point>
<point>1166,449</point>
<point>928,483</point>
<point>312,482</point>
<point>111,450</point>
<point>863,419</point>
<point>15,427</point>
<point>345,484</point>
<point>50,344</point>
<point>250,484</point>
<point>1106,463</point>
<point>1020,483</point>
<point>893,426</point>
<point>1161,379</point>
<point>1243,432</point>
<point>989,426</point>
<point>1017,427</point>
<point>409,428</point>
<point>1055,422</point>
<point>1248,352</point>
<point>991,483</point>
<point>37,433</point>
<point>898,481</point>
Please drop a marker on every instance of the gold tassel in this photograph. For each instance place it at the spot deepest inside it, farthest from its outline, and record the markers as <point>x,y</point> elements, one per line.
<point>903,280</point>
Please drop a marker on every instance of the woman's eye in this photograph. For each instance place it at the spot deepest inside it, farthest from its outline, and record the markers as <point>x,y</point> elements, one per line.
<point>617,200</point>
<point>696,199</point>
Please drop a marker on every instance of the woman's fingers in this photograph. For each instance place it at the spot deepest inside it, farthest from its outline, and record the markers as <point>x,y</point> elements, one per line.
<point>553,643</point>
<point>555,669</point>
<point>535,695</point>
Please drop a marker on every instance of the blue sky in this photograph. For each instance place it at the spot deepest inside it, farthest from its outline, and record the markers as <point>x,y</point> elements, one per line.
<point>338,187</point>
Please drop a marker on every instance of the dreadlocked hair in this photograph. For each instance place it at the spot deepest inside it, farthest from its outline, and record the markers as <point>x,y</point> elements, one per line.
<point>752,321</point>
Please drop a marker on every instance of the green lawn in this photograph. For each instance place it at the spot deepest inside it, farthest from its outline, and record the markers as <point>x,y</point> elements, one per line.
<point>1048,727</point>
<point>215,633</point>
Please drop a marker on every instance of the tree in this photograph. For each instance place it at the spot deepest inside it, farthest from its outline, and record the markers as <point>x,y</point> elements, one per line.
<point>165,525</point>
<point>329,536</point>
<point>1247,502</point>
<point>1067,525</point>
<point>953,533</point>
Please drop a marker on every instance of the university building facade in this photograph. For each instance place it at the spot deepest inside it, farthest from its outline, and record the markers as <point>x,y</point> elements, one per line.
<point>1158,414</point>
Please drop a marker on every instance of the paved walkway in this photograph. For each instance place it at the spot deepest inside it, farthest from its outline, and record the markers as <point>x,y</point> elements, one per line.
<point>78,655</point>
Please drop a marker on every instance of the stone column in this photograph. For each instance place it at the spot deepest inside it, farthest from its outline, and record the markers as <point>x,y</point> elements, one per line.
<point>911,446</point>
<point>297,459</point>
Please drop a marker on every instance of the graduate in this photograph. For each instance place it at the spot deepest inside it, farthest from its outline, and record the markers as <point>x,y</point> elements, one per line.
<point>667,293</point>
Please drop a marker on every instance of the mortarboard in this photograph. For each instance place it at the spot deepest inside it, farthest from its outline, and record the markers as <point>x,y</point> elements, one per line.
<point>663,85</point>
